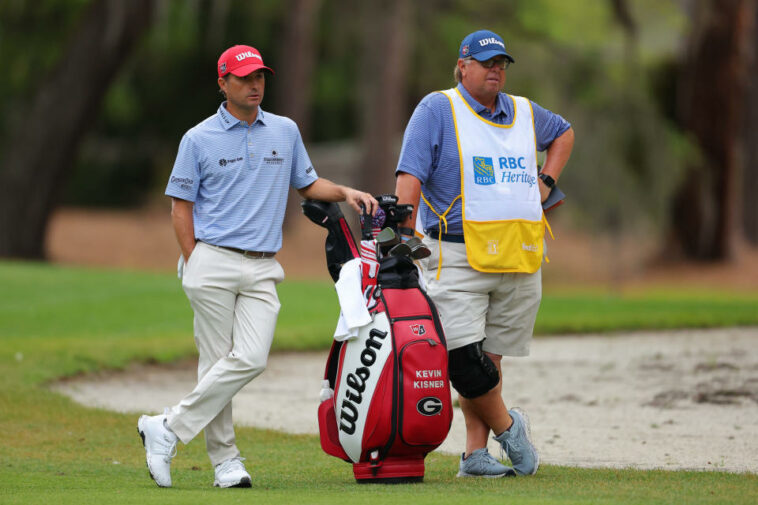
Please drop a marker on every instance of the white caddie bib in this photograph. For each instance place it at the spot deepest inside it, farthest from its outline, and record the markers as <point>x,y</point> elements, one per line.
<point>503,222</point>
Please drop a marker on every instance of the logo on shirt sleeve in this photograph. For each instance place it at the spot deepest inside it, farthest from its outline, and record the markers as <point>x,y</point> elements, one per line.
<point>484,171</point>
<point>183,182</point>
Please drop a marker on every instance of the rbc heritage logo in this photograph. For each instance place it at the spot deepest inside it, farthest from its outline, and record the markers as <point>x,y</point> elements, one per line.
<point>484,171</point>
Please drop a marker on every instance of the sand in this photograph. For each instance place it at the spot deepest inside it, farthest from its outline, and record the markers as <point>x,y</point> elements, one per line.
<point>684,399</point>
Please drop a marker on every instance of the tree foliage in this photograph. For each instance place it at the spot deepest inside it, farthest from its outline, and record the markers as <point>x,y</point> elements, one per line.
<point>351,72</point>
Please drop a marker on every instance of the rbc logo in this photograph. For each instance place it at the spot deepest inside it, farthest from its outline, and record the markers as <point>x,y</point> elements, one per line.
<point>484,171</point>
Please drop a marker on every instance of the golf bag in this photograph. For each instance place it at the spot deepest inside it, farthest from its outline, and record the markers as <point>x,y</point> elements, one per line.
<point>389,401</point>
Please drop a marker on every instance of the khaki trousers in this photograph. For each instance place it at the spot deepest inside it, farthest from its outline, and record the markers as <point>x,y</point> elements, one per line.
<point>499,308</point>
<point>235,304</point>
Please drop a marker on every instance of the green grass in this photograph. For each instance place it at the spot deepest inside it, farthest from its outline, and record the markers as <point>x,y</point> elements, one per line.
<point>587,311</point>
<point>57,322</point>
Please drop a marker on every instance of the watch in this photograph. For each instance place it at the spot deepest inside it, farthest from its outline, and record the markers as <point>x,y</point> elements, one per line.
<point>549,181</point>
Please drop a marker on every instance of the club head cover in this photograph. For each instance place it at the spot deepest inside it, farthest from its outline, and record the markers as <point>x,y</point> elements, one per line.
<point>376,221</point>
<point>397,272</point>
<point>321,213</point>
<point>402,212</point>
<point>340,247</point>
<point>386,199</point>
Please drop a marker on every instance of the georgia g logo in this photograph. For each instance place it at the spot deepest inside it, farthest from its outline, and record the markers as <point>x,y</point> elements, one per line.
<point>429,406</point>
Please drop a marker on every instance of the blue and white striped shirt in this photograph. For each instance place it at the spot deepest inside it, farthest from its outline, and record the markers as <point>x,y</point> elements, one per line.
<point>430,149</point>
<point>238,176</point>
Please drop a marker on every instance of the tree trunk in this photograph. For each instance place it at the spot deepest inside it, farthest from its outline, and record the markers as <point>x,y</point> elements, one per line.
<point>749,181</point>
<point>43,146</point>
<point>294,73</point>
<point>711,103</point>
<point>294,77</point>
<point>386,57</point>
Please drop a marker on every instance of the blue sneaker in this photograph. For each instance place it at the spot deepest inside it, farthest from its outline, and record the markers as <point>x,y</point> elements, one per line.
<point>481,464</point>
<point>517,444</point>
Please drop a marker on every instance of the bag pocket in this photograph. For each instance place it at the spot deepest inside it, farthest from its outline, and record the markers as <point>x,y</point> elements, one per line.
<point>425,405</point>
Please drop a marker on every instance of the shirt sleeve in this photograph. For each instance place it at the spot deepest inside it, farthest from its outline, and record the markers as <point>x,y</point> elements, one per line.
<point>184,181</point>
<point>548,126</point>
<point>421,141</point>
<point>303,173</point>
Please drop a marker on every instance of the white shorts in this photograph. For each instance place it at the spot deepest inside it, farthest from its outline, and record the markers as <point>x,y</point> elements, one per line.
<point>473,306</point>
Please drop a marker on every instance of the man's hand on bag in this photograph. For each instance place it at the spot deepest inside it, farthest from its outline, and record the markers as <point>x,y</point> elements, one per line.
<point>357,198</point>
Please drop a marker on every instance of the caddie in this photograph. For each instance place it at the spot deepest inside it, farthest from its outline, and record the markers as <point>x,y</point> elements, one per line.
<point>228,191</point>
<point>469,159</point>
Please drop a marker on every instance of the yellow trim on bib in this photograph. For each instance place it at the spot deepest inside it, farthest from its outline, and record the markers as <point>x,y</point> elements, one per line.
<point>531,109</point>
<point>486,120</point>
<point>460,157</point>
<point>439,226</point>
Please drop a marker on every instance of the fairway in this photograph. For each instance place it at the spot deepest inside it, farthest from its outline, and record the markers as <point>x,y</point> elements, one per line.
<point>57,322</point>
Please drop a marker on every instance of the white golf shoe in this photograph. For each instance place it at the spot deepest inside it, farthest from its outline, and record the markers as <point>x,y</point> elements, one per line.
<point>232,473</point>
<point>160,447</point>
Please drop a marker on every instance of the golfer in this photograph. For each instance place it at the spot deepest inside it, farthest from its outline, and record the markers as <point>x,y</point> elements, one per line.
<point>228,190</point>
<point>469,159</point>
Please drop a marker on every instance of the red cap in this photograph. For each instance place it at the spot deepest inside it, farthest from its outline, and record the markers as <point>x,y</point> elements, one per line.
<point>240,61</point>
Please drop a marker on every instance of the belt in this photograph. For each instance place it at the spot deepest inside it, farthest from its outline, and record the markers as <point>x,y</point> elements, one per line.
<point>248,254</point>
<point>445,237</point>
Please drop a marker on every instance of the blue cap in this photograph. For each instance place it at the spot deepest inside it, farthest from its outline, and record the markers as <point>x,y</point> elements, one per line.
<point>483,45</point>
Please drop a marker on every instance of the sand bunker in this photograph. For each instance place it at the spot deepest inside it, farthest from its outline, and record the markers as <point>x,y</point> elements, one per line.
<point>672,400</point>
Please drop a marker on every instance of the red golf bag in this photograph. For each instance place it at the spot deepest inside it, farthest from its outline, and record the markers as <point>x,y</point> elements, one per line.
<point>391,401</point>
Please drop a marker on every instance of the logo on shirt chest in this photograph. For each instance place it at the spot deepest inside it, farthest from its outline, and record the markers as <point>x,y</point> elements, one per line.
<point>224,162</point>
<point>273,159</point>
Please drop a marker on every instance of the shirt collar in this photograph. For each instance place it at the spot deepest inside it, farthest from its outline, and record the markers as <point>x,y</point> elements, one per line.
<point>500,106</point>
<point>228,121</point>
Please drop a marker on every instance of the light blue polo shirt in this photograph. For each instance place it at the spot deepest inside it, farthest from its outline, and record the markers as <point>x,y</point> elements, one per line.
<point>430,149</point>
<point>238,177</point>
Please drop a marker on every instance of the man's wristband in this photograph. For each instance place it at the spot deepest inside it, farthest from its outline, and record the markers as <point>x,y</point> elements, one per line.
<point>549,181</point>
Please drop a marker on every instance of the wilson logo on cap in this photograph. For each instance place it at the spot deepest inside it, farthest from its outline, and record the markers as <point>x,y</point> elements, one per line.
<point>241,61</point>
<point>491,40</point>
<point>247,54</point>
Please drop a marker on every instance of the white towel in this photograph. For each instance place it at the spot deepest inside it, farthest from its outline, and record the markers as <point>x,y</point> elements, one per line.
<point>343,332</point>
<point>353,314</point>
